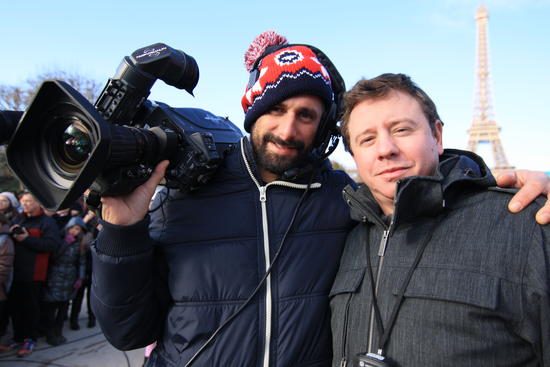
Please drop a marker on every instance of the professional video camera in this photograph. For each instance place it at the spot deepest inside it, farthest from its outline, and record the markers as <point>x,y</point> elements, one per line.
<point>63,145</point>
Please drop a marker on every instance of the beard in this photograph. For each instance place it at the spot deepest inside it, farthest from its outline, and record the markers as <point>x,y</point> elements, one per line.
<point>276,163</point>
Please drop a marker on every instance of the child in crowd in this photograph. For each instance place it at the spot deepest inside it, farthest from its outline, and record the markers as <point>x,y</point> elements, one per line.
<point>65,277</point>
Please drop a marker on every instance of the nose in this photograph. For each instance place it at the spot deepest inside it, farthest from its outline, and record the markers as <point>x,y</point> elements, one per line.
<point>386,146</point>
<point>287,128</point>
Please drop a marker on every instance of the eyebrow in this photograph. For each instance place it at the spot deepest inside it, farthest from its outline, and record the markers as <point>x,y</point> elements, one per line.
<point>313,111</point>
<point>391,124</point>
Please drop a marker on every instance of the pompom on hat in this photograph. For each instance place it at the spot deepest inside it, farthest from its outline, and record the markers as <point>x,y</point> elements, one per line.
<point>279,73</point>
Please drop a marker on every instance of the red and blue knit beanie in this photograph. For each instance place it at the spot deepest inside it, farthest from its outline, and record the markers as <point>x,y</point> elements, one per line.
<point>281,74</point>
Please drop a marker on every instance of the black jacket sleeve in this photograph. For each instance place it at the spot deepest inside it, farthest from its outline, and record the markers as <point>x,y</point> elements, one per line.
<point>128,297</point>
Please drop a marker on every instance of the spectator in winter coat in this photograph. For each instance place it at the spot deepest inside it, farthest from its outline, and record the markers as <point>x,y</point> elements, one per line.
<point>76,304</point>
<point>9,206</point>
<point>65,276</point>
<point>36,236</point>
<point>7,253</point>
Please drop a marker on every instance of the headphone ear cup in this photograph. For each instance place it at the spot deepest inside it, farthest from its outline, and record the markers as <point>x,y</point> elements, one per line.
<point>327,123</point>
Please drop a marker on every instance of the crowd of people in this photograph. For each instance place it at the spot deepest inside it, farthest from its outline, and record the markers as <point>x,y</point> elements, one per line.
<point>45,270</point>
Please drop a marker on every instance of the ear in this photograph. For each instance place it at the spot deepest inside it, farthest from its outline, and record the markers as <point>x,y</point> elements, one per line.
<point>438,135</point>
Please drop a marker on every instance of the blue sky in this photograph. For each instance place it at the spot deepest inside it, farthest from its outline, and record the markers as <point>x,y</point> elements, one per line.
<point>432,41</point>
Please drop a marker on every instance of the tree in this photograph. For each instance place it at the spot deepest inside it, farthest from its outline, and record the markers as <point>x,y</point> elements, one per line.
<point>350,171</point>
<point>17,98</point>
<point>337,165</point>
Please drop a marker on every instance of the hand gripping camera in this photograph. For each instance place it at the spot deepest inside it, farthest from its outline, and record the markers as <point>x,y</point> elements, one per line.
<point>63,145</point>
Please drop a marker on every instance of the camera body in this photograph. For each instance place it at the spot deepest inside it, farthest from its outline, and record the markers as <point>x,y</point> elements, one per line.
<point>371,360</point>
<point>64,145</point>
<point>17,230</point>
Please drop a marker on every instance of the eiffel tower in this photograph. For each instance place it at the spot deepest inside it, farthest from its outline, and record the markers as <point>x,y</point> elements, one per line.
<point>484,128</point>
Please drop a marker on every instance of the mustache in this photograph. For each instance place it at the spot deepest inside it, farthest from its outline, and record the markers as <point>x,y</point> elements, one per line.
<point>291,143</point>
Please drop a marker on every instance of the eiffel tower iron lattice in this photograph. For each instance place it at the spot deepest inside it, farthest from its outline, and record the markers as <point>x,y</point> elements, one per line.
<point>484,128</point>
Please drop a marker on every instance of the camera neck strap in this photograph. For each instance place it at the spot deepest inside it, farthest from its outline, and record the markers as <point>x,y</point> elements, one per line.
<point>385,332</point>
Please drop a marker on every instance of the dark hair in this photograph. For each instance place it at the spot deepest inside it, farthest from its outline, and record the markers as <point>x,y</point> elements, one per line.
<point>380,87</point>
<point>25,192</point>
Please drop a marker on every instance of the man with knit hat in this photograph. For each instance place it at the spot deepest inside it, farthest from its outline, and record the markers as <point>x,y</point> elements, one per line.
<point>237,272</point>
<point>255,249</point>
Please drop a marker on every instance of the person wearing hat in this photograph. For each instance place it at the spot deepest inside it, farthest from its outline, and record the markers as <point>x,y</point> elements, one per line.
<point>9,205</point>
<point>176,275</point>
<point>237,272</point>
<point>65,276</point>
<point>7,253</point>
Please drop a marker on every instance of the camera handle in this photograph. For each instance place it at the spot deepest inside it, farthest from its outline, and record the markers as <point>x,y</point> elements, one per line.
<point>124,95</point>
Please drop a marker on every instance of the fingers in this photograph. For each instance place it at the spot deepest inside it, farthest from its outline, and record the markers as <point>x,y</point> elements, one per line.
<point>524,196</point>
<point>507,179</point>
<point>531,184</point>
<point>543,215</point>
<point>131,208</point>
<point>156,176</point>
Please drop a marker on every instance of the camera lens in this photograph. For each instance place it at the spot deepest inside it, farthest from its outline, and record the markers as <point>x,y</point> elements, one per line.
<point>77,144</point>
<point>68,145</point>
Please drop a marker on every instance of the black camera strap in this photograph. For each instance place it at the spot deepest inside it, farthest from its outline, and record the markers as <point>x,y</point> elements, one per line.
<point>385,333</point>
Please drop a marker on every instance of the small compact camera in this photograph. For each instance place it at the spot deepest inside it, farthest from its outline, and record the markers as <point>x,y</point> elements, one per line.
<point>371,360</point>
<point>17,230</point>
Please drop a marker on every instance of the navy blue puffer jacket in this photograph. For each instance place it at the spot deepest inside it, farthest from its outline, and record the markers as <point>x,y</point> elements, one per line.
<point>177,278</point>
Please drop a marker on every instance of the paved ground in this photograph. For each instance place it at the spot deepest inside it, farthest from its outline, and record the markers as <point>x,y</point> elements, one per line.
<point>86,347</point>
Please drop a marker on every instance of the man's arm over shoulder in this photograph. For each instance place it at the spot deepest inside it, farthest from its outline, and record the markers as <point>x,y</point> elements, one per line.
<point>531,185</point>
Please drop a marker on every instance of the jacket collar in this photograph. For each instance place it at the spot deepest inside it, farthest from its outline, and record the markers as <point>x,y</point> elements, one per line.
<point>421,196</point>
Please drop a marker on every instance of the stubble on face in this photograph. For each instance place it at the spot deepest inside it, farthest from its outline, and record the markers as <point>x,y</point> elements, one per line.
<point>283,136</point>
<point>277,163</point>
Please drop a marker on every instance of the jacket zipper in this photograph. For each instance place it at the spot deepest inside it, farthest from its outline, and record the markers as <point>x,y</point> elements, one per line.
<point>381,252</point>
<point>267,258</point>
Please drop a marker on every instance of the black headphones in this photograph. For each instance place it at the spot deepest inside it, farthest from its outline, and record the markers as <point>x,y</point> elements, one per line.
<point>328,132</point>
